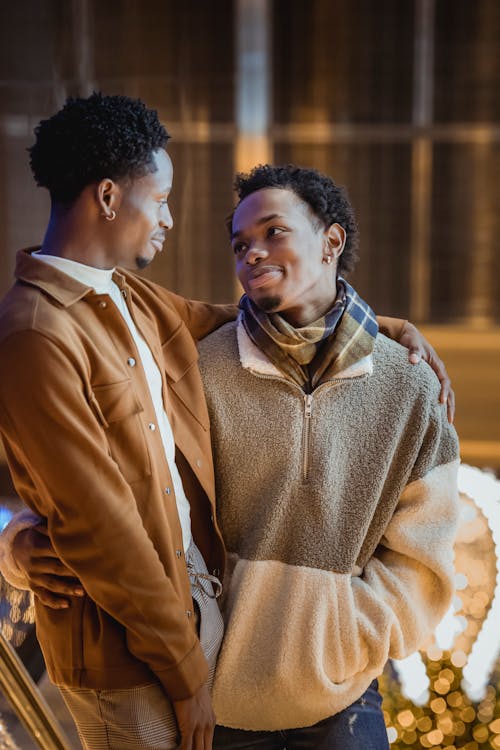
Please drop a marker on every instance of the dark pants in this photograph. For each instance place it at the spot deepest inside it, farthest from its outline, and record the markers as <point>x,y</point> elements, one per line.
<point>359,727</point>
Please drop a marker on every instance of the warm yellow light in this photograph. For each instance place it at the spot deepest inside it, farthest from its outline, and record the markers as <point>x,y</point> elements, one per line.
<point>441,686</point>
<point>495,726</point>
<point>406,719</point>
<point>438,705</point>
<point>480,734</point>
<point>445,724</point>
<point>454,699</point>
<point>434,653</point>
<point>458,728</point>
<point>435,737</point>
<point>459,659</point>
<point>468,714</point>
<point>424,724</point>
<point>409,738</point>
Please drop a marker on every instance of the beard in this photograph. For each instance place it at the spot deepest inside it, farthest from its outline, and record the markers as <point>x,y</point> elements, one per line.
<point>269,304</point>
<point>142,262</point>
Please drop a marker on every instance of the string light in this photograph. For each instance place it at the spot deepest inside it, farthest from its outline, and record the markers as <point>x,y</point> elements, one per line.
<point>447,697</point>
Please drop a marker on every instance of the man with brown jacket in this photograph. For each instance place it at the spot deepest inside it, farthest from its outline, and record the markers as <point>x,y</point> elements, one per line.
<point>106,432</point>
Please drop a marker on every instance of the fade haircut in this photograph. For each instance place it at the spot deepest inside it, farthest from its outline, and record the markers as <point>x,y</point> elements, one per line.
<point>94,138</point>
<point>328,202</point>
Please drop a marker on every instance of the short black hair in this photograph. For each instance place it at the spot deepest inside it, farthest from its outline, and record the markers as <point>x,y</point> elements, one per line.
<point>328,202</point>
<point>94,138</point>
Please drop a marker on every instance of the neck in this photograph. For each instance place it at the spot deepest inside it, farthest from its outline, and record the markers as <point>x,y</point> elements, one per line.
<point>303,315</point>
<point>69,235</point>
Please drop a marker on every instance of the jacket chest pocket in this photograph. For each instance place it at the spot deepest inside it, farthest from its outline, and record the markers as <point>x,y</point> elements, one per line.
<point>120,412</point>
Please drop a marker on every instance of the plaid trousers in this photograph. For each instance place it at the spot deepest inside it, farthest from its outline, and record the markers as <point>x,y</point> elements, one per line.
<point>142,718</point>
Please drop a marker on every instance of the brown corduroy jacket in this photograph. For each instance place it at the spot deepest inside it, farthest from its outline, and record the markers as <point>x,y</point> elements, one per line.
<point>78,426</point>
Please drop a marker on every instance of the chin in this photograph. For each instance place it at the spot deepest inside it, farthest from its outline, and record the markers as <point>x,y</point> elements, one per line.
<point>268,304</point>
<point>142,262</point>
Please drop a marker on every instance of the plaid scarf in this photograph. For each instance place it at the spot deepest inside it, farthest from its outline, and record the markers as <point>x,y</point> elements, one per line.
<point>319,351</point>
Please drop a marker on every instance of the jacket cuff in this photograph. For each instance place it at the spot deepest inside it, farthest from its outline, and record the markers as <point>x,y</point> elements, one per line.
<point>12,573</point>
<point>185,678</point>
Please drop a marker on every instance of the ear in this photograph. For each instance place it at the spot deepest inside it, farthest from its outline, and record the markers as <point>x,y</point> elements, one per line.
<point>336,238</point>
<point>108,196</point>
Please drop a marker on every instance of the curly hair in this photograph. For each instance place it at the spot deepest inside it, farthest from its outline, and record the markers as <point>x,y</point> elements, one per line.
<point>93,138</point>
<point>328,202</point>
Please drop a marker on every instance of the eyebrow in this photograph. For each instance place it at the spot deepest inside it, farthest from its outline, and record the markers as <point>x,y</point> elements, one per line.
<point>260,221</point>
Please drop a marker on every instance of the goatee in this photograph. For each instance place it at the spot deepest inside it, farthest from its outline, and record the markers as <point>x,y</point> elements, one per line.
<point>268,304</point>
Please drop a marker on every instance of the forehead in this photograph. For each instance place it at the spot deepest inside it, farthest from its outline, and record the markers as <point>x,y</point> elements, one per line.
<point>266,203</point>
<point>160,180</point>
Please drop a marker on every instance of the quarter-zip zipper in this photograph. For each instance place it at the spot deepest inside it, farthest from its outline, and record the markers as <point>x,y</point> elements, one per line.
<point>308,398</point>
<point>306,432</point>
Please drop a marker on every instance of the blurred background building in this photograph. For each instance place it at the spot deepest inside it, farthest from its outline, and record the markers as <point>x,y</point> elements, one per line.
<point>397,99</point>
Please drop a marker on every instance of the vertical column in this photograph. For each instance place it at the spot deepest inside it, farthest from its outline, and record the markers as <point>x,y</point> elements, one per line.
<point>84,53</point>
<point>253,87</point>
<point>421,185</point>
<point>253,83</point>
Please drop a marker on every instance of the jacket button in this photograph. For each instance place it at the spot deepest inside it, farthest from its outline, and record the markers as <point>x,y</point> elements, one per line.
<point>178,552</point>
<point>216,572</point>
<point>124,293</point>
<point>103,304</point>
<point>131,362</point>
<point>152,426</point>
<point>167,490</point>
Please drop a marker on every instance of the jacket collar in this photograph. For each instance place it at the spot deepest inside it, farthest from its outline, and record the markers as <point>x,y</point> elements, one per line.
<point>252,358</point>
<point>55,283</point>
<point>58,285</point>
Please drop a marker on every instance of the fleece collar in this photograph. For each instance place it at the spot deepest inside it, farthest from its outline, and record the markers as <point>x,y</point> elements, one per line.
<point>252,358</point>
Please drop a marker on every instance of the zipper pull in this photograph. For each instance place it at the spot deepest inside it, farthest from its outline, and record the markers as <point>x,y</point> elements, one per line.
<point>308,405</point>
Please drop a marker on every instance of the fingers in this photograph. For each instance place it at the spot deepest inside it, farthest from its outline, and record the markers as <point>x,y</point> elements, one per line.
<point>423,350</point>
<point>41,528</point>
<point>414,355</point>
<point>446,395</point>
<point>55,592</point>
<point>450,406</point>
<point>57,585</point>
<point>51,566</point>
<point>40,543</point>
<point>50,600</point>
<point>209,736</point>
<point>186,742</point>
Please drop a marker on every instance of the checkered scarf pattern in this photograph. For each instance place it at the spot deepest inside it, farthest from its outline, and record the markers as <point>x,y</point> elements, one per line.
<point>319,351</point>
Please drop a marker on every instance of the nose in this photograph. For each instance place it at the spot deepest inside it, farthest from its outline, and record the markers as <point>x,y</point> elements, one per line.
<point>255,253</point>
<point>166,220</point>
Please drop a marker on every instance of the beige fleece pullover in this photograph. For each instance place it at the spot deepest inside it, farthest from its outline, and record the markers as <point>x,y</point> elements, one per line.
<point>339,511</point>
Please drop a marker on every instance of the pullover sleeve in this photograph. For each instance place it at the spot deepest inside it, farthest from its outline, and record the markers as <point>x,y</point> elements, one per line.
<point>407,585</point>
<point>62,469</point>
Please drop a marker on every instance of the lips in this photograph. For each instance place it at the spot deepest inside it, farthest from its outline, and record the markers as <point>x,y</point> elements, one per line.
<point>264,276</point>
<point>158,243</point>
